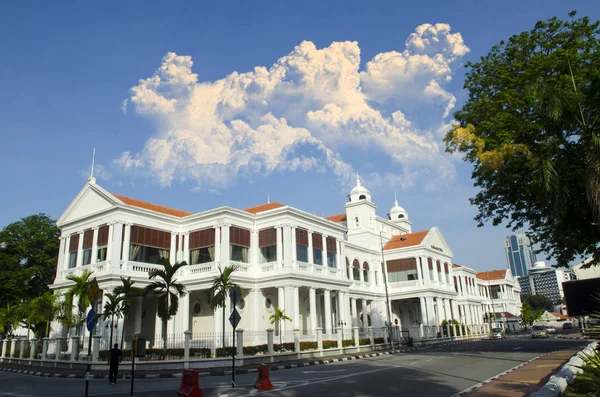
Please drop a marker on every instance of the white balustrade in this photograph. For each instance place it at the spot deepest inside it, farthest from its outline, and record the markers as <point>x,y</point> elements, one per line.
<point>404,284</point>
<point>242,266</point>
<point>318,269</point>
<point>303,267</point>
<point>267,267</point>
<point>202,268</point>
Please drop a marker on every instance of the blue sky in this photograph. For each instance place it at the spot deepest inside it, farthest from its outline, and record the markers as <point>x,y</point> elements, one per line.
<point>195,105</point>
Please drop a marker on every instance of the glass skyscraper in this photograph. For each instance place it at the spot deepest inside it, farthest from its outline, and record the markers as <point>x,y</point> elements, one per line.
<point>519,254</point>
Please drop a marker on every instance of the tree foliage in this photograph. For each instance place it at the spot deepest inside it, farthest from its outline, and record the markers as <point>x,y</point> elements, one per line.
<point>277,317</point>
<point>529,315</point>
<point>538,302</point>
<point>28,256</point>
<point>168,290</point>
<point>530,129</point>
<point>218,293</point>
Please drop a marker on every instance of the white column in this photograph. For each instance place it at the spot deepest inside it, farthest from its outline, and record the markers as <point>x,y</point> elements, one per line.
<point>338,255</point>
<point>184,311</point>
<point>127,242</point>
<point>224,245</point>
<point>312,301</point>
<point>217,244</point>
<point>287,241</point>
<point>296,317</point>
<point>114,244</point>
<point>254,250</point>
<point>173,251</point>
<point>62,262</point>
<point>279,246</point>
<point>80,250</point>
<point>65,251</point>
<point>447,308</point>
<point>324,253</point>
<point>431,320</point>
<point>310,248</point>
<point>293,246</point>
<point>179,253</point>
<point>424,319</point>
<point>365,318</point>
<point>354,312</point>
<point>455,314</point>
<point>185,244</point>
<point>327,312</point>
<point>419,271</point>
<point>94,257</point>
<point>426,275</point>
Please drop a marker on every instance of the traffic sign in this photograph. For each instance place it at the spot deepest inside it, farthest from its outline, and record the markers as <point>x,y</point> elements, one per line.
<point>235,318</point>
<point>90,321</point>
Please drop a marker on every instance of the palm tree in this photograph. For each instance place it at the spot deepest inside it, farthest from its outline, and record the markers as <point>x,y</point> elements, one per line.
<point>80,290</point>
<point>218,294</point>
<point>112,308</point>
<point>126,291</point>
<point>169,291</point>
<point>48,305</point>
<point>9,319</point>
<point>277,317</point>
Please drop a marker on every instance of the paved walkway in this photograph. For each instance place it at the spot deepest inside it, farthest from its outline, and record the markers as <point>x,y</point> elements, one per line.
<point>527,379</point>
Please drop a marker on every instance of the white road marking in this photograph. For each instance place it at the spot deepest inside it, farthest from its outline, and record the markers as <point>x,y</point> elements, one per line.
<point>323,372</point>
<point>516,348</point>
<point>14,394</point>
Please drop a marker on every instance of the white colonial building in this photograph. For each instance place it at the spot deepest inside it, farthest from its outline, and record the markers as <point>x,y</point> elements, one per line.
<point>324,272</point>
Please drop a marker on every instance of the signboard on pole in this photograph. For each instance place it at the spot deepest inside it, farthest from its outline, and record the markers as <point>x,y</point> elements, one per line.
<point>90,321</point>
<point>235,318</point>
<point>235,294</point>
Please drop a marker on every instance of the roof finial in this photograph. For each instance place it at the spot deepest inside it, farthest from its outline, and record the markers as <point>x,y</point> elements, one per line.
<point>395,200</point>
<point>357,179</point>
<point>91,179</point>
<point>268,198</point>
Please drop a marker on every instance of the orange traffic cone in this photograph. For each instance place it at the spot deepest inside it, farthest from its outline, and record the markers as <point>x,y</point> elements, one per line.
<point>263,382</point>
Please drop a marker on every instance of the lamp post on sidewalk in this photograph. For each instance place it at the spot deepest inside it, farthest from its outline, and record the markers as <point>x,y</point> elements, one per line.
<point>387,296</point>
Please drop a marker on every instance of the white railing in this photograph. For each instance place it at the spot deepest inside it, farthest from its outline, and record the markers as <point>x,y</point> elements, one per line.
<point>242,266</point>
<point>267,267</point>
<point>97,267</point>
<point>202,268</point>
<point>139,267</point>
<point>303,266</point>
<point>404,284</point>
<point>318,269</point>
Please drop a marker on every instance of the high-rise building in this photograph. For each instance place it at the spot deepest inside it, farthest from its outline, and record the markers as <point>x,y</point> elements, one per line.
<point>519,254</point>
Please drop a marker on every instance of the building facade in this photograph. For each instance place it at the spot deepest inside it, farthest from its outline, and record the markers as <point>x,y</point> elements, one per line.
<point>323,272</point>
<point>547,281</point>
<point>519,254</point>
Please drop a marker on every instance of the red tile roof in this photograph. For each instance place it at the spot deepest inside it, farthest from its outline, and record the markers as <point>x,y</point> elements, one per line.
<point>337,218</point>
<point>455,266</point>
<point>263,207</point>
<point>560,316</point>
<point>151,207</point>
<point>492,275</point>
<point>405,240</point>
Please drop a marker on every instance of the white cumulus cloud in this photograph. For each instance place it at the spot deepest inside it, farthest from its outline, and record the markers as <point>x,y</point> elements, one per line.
<point>301,114</point>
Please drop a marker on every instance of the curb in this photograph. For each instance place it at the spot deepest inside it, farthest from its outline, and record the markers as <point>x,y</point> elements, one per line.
<point>493,378</point>
<point>239,371</point>
<point>558,382</point>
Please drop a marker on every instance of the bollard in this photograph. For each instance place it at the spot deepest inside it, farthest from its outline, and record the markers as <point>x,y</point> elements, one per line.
<point>32,346</point>
<point>371,337</point>
<point>263,382</point>
<point>45,342</point>
<point>454,331</point>
<point>270,340</point>
<point>13,347</point>
<point>239,342</point>
<point>189,384</point>
<point>448,334</point>
<point>384,331</point>
<point>58,348</point>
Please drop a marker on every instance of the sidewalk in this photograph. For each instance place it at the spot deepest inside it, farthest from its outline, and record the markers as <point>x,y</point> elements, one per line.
<point>525,379</point>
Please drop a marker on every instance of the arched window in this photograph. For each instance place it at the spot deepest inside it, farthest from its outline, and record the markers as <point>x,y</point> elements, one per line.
<point>356,270</point>
<point>366,272</point>
<point>400,216</point>
<point>362,197</point>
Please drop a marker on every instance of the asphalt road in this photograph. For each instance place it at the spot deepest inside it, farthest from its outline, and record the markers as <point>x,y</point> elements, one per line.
<point>432,372</point>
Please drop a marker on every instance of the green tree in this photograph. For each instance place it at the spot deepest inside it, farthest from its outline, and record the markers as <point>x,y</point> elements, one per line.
<point>276,318</point>
<point>538,302</point>
<point>218,293</point>
<point>529,316</point>
<point>28,256</point>
<point>127,292</point>
<point>10,318</point>
<point>47,308</point>
<point>530,130</point>
<point>169,291</point>
<point>79,289</point>
<point>112,308</point>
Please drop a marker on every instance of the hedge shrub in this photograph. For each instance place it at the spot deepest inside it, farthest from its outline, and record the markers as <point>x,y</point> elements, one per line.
<point>379,341</point>
<point>348,343</point>
<point>364,341</point>
<point>308,346</point>
<point>202,352</point>
<point>329,344</point>
<point>284,347</point>
<point>254,350</point>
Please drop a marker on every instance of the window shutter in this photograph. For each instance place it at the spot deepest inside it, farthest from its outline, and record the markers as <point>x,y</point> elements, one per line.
<point>239,236</point>
<point>88,239</point>
<point>150,237</point>
<point>430,263</point>
<point>267,238</point>
<point>347,262</point>
<point>317,241</point>
<point>331,245</point>
<point>399,265</point>
<point>103,235</point>
<point>302,237</point>
<point>202,238</point>
<point>74,242</point>
<point>446,268</point>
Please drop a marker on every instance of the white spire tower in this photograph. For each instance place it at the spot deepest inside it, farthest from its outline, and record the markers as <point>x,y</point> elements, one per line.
<point>91,179</point>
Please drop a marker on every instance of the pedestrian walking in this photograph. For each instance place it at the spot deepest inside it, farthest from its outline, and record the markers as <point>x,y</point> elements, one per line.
<point>115,357</point>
